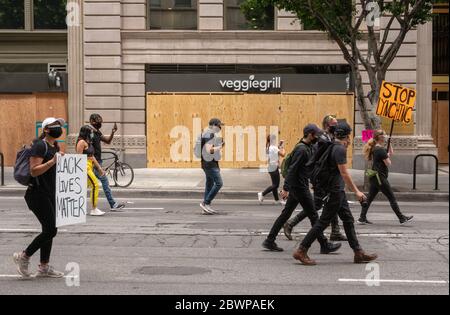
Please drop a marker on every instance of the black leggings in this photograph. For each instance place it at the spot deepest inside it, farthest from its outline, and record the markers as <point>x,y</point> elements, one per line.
<point>275,177</point>
<point>43,207</point>
<point>386,189</point>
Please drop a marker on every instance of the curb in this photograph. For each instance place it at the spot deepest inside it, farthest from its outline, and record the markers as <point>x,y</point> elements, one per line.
<point>237,195</point>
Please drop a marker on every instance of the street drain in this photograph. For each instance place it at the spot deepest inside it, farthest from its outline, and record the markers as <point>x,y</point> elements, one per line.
<point>171,271</point>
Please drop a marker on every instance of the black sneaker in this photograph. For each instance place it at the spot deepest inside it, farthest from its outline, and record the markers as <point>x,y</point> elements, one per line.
<point>405,219</point>
<point>363,221</point>
<point>330,248</point>
<point>271,246</point>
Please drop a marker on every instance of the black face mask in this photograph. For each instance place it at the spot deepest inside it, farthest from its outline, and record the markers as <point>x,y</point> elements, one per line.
<point>97,125</point>
<point>314,140</point>
<point>55,132</point>
<point>331,129</point>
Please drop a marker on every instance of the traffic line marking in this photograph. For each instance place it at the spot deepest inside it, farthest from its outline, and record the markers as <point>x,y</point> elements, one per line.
<point>395,281</point>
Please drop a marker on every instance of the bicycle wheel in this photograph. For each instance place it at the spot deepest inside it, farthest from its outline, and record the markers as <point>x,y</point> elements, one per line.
<point>123,175</point>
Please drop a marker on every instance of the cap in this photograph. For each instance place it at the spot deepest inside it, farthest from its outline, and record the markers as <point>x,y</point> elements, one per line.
<point>215,122</point>
<point>342,130</point>
<point>52,120</point>
<point>312,128</point>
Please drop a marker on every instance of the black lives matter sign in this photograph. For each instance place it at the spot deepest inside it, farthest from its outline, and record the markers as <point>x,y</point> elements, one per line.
<point>71,189</point>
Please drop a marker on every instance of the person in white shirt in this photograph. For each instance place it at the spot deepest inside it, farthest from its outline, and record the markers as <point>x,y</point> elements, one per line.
<point>274,152</point>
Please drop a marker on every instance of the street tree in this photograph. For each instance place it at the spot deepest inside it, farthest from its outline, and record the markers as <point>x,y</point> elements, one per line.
<point>352,25</point>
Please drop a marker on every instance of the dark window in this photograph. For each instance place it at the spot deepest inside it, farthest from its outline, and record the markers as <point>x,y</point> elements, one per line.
<point>12,14</point>
<point>440,44</point>
<point>173,14</point>
<point>50,14</point>
<point>23,67</point>
<point>243,15</point>
<point>183,3</point>
<point>250,69</point>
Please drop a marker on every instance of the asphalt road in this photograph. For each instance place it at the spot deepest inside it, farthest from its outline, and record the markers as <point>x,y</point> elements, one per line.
<point>168,247</point>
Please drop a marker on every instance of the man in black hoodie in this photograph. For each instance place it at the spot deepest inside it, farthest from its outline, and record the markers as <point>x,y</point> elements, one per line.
<point>296,190</point>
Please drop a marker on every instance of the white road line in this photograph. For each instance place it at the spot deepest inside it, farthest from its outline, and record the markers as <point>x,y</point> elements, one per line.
<point>26,230</point>
<point>126,208</point>
<point>32,277</point>
<point>395,281</point>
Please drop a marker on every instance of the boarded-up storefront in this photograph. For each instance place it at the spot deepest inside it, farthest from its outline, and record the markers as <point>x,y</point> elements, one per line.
<point>20,115</point>
<point>174,121</point>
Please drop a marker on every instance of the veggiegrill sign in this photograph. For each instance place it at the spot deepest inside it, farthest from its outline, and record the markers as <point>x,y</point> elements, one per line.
<point>252,84</point>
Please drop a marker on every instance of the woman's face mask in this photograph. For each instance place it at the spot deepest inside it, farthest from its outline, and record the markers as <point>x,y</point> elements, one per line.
<point>55,131</point>
<point>216,129</point>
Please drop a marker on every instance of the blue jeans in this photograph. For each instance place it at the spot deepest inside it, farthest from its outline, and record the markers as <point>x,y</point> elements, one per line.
<point>105,184</point>
<point>213,184</point>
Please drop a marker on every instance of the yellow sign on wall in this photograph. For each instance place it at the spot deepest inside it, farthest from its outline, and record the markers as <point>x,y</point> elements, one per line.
<point>396,102</point>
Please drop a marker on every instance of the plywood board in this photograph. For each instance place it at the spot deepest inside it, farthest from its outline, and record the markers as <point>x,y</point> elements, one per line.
<point>254,113</point>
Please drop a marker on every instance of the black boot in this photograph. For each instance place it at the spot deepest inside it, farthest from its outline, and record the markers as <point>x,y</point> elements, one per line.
<point>271,246</point>
<point>329,248</point>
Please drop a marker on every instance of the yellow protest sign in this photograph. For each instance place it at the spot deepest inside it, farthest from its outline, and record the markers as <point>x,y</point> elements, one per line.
<point>396,102</point>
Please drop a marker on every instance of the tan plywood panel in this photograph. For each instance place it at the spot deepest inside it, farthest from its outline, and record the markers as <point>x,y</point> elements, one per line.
<point>254,113</point>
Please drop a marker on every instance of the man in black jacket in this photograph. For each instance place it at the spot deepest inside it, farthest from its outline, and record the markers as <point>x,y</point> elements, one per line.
<point>329,124</point>
<point>296,190</point>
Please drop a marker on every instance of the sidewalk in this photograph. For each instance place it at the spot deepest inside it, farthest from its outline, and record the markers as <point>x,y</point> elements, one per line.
<point>243,184</point>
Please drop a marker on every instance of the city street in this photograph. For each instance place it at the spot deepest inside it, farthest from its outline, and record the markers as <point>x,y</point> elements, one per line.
<point>159,246</point>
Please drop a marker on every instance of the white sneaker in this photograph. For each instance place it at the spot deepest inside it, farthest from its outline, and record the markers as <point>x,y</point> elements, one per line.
<point>260,197</point>
<point>205,208</point>
<point>48,272</point>
<point>96,212</point>
<point>22,265</point>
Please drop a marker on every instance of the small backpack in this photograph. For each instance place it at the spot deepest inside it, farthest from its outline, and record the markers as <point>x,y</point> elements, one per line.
<point>22,173</point>
<point>288,161</point>
<point>320,174</point>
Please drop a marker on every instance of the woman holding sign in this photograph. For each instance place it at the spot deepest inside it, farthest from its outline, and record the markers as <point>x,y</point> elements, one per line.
<point>375,152</point>
<point>40,198</point>
<point>84,146</point>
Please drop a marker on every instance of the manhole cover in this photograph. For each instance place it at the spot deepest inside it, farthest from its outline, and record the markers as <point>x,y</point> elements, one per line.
<point>173,271</point>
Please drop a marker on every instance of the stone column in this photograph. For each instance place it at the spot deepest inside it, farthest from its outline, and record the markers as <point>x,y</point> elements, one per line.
<point>424,99</point>
<point>75,65</point>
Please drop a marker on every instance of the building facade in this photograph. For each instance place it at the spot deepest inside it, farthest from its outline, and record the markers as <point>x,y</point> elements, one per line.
<point>155,65</point>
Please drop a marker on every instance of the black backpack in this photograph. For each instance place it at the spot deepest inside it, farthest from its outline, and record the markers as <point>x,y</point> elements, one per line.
<point>320,170</point>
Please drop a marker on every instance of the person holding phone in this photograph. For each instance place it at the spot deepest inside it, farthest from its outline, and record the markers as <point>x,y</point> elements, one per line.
<point>96,122</point>
<point>40,198</point>
<point>211,147</point>
<point>274,152</point>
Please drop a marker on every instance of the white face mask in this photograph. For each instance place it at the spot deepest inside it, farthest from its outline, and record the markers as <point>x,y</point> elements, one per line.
<point>216,129</point>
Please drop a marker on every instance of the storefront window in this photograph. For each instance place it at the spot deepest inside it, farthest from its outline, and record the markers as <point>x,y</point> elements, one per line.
<point>173,14</point>
<point>248,15</point>
<point>50,14</point>
<point>12,14</point>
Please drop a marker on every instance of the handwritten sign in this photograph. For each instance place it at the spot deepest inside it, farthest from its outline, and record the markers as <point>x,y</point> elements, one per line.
<point>396,102</point>
<point>71,189</point>
<point>367,135</point>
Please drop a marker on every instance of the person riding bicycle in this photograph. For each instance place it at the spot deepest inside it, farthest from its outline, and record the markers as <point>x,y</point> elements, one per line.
<point>96,123</point>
